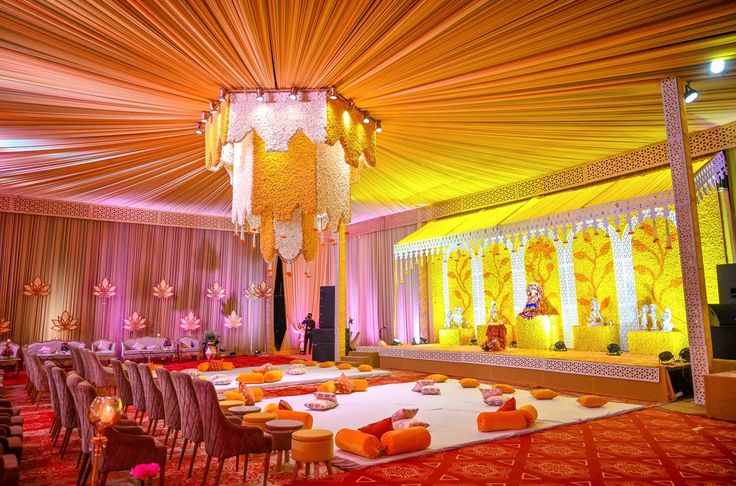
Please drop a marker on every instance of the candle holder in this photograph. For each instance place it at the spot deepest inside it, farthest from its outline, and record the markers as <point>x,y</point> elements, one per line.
<point>104,412</point>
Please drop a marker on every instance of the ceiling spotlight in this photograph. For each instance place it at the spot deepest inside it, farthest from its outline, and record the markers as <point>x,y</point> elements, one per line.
<point>333,94</point>
<point>259,94</point>
<point>717,66</point>
<point>223,94</point>
<point>690,94</point>
<point>378,127</point>
<point>198,128</point>
<point>213,108</point>
<point>366,119</point>
<point>204,117</point>
<point>292,94</point>
<point>351,104</point>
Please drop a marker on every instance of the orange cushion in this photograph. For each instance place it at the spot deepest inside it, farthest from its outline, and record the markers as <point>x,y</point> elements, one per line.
<point>360,384</point>
<point>344,366</point>
<point>327,364</point>
<point>250,378</point>
<point>344,385</point>
<point>228,365</point>
<point>543,394</point>
<point>203,366</point>
<point>469,383</point>
<point>359,443</point>
<point>257,393</point>
<point>365,367</point>
<point>304,417</point>
<point>592,401</point>
<point>270,408</point>
<point>296,361</point>
<point>379,428</point>
<point>234,395</point>
<point>328,387</point>
<point>273,376</point>
<point>494,421</point>
<point>508,405</point>
<point>215,365</point>
<point>530,414</point>
<point>310,363</point>
<point>505,388</point>
<point>405,440</point>
<point>437,378</point>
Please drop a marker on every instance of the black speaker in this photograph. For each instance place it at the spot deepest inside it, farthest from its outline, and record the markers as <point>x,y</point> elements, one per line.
<point>327,307</point>
<point>323,348</point>
<point>726,275</point>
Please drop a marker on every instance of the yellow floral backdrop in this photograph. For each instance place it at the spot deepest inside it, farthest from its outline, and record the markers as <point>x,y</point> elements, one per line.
<point>711,241</point>
<point>540,263</point>
<point>497,281</point>
<point>460,283</point>
<point>594,275</point>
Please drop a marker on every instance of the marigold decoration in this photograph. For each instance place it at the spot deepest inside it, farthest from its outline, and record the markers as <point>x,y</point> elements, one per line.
<point>259,291</point>
<point>4,326</point>
<point>104,289</point>
<point>37,288</point>
<point>233,321</point>
<point>64,323</point>
<point>162,290</point>
<point>216,292</point>
<point>134,323</point>
<point>190,322</point>
<point>291,164</point>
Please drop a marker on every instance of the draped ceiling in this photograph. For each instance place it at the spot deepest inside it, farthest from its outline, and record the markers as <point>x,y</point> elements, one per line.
<point>98,99</point>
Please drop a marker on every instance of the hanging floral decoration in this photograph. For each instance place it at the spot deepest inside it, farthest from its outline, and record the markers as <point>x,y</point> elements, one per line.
<point>162,290</point>
<point>216,292</point>
<point>233,321</point>
<point>190,322</point>
<point>134,323</point>
<point>259,291</point>
<point>65,322</point>
<point>4,325</point>
<point>104,289</point>
<point>36,288</point>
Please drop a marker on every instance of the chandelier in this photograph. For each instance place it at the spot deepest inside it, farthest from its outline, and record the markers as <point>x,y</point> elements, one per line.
<point>291,157</point>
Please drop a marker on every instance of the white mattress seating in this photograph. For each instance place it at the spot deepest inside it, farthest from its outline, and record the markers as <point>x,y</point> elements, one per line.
<point>148,347</point>
<point>104,348</point>
<point>47,348</point>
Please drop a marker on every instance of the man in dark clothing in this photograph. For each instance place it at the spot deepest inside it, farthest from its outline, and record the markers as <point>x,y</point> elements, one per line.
<point>309,326</point>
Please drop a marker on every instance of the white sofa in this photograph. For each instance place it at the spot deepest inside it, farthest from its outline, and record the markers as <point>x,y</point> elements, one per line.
<point>150,348</point>
<point>53,347</point>
<point>104,349</point>
<point>187,348</point>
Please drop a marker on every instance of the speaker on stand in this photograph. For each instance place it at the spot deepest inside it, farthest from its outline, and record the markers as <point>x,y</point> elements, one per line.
<point>323,348</point>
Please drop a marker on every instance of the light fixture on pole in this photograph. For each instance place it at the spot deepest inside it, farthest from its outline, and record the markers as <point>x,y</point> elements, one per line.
<point>378,126</point>
<point>690,94</point>
<point>332,93</point>
<point>104,412</point>
<point>203,118</point>
<point>198,128</point>
<point>213,108</point>
<point>259,94</point>
<point>223,95</point>
<point>366,118</point>
<point>293,94</point>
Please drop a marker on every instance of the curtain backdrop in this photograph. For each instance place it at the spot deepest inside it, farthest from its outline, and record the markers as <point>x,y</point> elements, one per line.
<point>74,254</point>
<point>301,292</point>
<point>371,287</point>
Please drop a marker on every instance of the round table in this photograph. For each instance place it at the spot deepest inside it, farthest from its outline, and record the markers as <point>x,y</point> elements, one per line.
<point>241,410</point>
<point>281,431</point>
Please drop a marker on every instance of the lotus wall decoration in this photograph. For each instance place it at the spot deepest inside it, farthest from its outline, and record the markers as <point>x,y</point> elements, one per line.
<point>4,325</point>
<point>233,321</point>
<point>216,292</point>
<point>162,290</point>
<point>190,322</point>
<point>135,322</point>
<point>104,289</point>
<point>65,322</point>
<point>37,288</point>
<point>259,291</point>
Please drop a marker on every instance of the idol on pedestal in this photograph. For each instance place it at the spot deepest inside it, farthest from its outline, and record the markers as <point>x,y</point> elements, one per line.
<point>496,332</point>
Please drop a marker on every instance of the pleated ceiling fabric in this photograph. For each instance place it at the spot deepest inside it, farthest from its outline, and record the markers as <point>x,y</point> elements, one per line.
<point>98,99</point>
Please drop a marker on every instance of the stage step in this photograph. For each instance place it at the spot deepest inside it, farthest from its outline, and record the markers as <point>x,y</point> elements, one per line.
<point>362,358</point>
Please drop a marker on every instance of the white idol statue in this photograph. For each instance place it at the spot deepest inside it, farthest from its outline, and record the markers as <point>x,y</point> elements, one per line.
<point>666,320</point>
<point>448,320</point>
<point>493,315</point>
<point>644,317</point>
<point>595,319</point>
<point>457,317</point>
<point>653,320</point>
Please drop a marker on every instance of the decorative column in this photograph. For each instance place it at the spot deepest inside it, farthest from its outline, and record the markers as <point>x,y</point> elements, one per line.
<point>424,287</point>
<point>568,292</point>
<point>445,283</point>
<point>518,276</point>
<point>688,233</point>
<point>341,294</point>
<point>476,276</point>
<point>623,269</point>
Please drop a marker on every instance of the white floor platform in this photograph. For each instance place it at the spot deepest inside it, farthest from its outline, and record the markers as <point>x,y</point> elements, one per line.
<point>451,415</point>
<point>314,374</point>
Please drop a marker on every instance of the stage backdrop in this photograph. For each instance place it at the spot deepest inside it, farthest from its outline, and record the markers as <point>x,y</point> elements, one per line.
<point>73,255</point>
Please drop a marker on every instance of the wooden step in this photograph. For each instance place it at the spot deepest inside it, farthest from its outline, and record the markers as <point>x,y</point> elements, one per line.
<point>366,357</point>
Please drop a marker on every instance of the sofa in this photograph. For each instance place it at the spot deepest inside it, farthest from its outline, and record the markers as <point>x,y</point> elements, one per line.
<point>51,347</point>
<point>148,348</point>
<point>187,348</point>
<point>104,349</point>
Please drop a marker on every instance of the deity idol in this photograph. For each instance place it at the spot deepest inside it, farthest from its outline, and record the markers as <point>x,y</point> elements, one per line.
<point>595,319</point>
<point>493,315</point>
<point>666,319</point>
<point>457,318</point>
<point>643,317</point>
<point>534,305</point>
<point>653,316</point>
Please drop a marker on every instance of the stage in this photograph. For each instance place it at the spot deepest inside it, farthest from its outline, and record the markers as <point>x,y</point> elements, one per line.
<point>634,376</point>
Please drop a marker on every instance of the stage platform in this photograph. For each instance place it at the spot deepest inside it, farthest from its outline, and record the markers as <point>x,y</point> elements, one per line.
<point>639,377</point>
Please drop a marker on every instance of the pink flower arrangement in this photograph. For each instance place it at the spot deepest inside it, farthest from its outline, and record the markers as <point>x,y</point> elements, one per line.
<point>145,471</point>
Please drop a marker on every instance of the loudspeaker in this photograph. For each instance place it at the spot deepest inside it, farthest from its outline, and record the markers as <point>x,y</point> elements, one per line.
<point>726,283</point>
<point>323,348</point>
<point>327,307</point>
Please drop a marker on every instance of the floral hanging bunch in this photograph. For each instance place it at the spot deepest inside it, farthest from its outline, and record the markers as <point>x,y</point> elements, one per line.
<point>216,292</point>
<point>104,289</point>
<point>36,288</point>
<point>162,290</point>
<point>145,473</point>
<point>190,322</point>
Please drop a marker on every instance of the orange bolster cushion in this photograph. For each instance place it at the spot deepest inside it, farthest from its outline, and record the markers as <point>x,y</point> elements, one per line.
<point>365,367</point>
<point>494,421</point>
<point>360,384</point>
<point>405,440</point>
<point>328,387</point>
<point>257,393</point>
<point>250,378</point>
<point>271,408</point>
<point>327,364</point>
<point>543,394</point>
<point>273,376</point>
<point>530,414</point>
<point>505,388</point>
<point>234,395</point>
<point>344,366</point>
<point>437,378</point>
<point>227,366</point>
<point>296,361</point>
<point>310,363</point>
<point>303,417</point>
<point>359,443</point>
<point>592,401</point>
<point>203,366</point>
<point>469,383</point>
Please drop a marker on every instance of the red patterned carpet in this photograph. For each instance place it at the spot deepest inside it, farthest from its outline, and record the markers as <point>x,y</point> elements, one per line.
<point>647,447</point>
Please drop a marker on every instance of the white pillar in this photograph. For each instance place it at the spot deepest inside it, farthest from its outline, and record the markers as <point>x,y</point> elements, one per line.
<point>518,276</point>
<point>568,292</point>
<point>445,282</point>
<point>623,269</point>
<point>479,301</point>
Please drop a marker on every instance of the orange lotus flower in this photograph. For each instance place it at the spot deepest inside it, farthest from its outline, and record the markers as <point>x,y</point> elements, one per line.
<point>216,292</point>
<point>104,289</point>
<point>4,326</point>
<point>64,323</point>
<point>260,291</point>
<point>135,322</point>
<point>37,288</point>
<point>162,290</point>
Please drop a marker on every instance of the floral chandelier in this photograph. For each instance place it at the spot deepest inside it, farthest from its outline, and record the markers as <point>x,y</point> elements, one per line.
<point>291,157</point>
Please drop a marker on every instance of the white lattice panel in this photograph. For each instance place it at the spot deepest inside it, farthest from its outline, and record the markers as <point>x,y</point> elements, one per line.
<point>5,202</point>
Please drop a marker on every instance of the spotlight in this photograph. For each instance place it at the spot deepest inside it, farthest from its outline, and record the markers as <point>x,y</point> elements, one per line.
<point>198,128</point>
<point>223,94</point>
<point>333,94</point>
<point>614,350</point>
<point>366,119</point>
<point>717,66</point>
<point>351,104</point>
<point>213,108</point>
<point>378,127</point>
<point>684,355</point>
<point>395,342</point>
<point>690,94</point>
<point>203,119</point>
<point>257,352</point>
<point>419,340</point>
<point>559,346</point>
<point>259,94</point>
<point>293,95</point>
<point>665,357</point>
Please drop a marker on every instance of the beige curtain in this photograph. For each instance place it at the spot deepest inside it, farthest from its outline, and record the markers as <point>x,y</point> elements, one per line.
<point>74,254</point>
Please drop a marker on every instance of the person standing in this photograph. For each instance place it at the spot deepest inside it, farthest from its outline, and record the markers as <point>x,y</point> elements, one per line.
<point>309,326</point>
